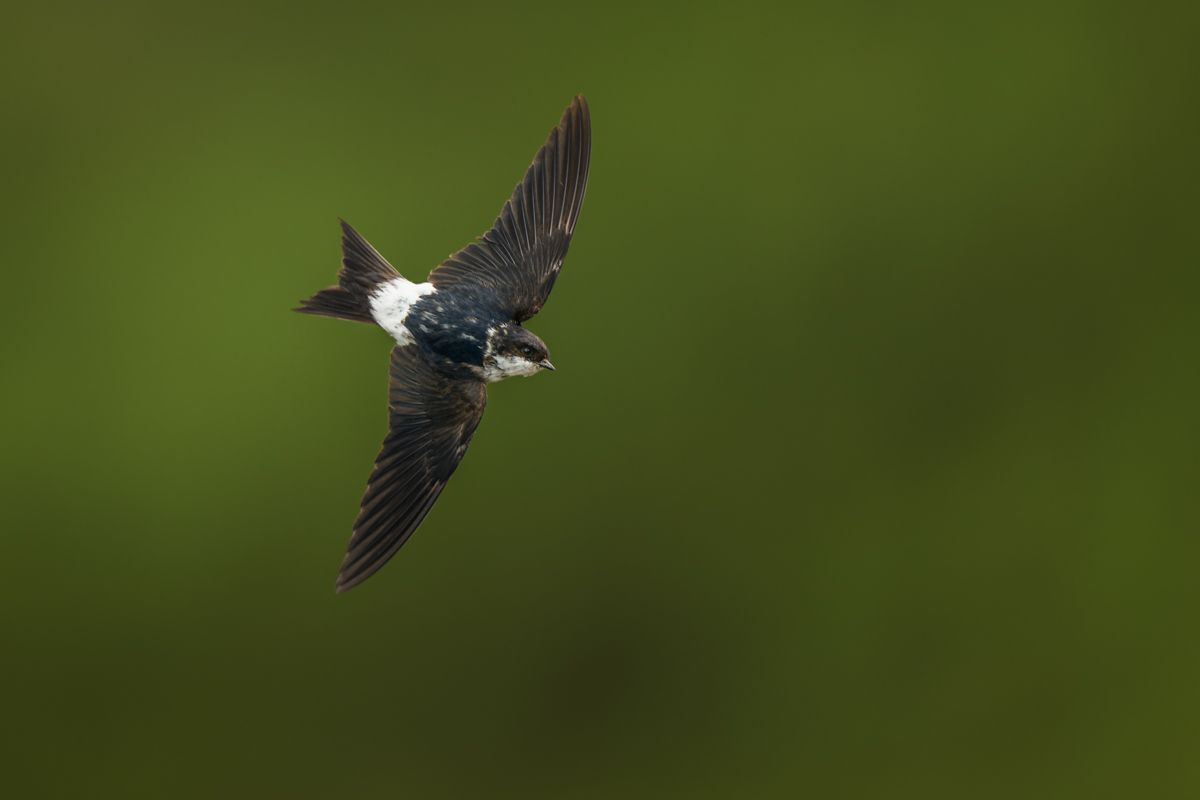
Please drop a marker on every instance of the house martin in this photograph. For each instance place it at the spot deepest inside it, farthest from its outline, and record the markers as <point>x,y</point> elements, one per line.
<point>455,333</point>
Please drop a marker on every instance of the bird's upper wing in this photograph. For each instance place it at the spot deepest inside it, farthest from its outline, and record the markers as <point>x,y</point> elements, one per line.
<point>519,258</point>
<point>432,419</point>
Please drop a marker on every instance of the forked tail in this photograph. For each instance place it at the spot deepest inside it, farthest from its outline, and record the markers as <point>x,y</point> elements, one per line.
<point>363,269</point>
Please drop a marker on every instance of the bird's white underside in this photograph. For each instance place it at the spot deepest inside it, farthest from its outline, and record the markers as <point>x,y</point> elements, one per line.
<point>391,302</point>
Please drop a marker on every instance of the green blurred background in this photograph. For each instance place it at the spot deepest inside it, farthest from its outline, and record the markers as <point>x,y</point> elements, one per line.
<point>869,468</point>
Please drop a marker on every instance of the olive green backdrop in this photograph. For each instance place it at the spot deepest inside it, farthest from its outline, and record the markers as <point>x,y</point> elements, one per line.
<point>869,468</point>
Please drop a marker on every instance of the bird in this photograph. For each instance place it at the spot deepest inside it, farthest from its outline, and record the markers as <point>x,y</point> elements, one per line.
<point>455,333</point>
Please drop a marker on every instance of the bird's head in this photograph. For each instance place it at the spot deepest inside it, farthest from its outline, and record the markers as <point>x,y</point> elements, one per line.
<point>511,351</point>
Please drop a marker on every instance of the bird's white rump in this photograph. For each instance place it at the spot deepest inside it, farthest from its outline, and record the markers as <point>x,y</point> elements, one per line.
<point>391,302</point>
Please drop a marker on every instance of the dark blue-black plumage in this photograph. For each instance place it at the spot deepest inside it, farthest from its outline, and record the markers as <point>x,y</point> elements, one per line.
<point>454,323</point>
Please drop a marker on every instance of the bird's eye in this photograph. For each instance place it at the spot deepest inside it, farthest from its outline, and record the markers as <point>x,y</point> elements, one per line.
<point>527,350</point>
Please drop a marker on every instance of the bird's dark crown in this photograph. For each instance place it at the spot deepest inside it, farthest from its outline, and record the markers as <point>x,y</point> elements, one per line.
<point>513,340</point>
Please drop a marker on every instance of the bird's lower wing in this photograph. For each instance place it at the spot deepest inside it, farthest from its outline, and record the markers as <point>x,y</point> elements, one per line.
<point>432,419</point>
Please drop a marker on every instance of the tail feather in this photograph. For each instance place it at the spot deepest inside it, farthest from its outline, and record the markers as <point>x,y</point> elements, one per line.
<point>363,269</point>
<point>336,302</point>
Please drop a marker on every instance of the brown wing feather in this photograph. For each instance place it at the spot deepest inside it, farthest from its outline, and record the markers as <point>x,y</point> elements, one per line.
<point>520,257</point>
<point>433,417</point>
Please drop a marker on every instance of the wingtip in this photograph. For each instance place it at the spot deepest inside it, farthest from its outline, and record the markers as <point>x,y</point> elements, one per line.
<point>348,578</point>
<point>577,118</point>
<point>578,105</point>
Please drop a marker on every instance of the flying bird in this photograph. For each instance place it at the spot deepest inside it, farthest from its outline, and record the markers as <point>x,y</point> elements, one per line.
<point>455,333</point>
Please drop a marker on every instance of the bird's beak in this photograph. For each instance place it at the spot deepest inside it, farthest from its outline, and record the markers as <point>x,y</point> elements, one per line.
<point>545,364</point>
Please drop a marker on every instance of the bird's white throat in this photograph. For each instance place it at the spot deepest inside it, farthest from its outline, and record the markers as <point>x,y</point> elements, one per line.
<point>497,368</point>
<point>391,302</point>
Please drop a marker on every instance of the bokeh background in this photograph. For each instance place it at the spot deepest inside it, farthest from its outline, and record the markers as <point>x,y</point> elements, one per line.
<point>869,468</point>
